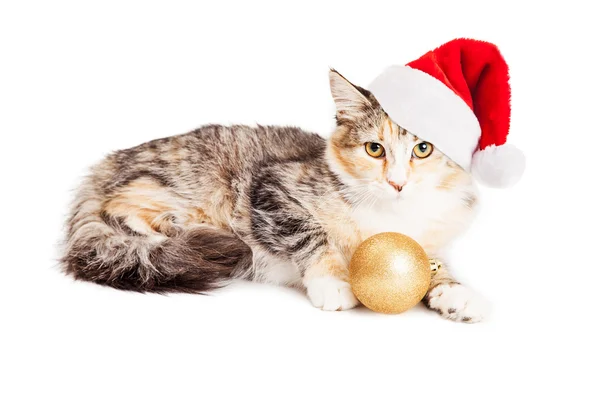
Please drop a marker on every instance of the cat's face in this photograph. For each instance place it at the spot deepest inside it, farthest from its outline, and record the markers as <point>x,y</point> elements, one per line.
<point>381,159</point>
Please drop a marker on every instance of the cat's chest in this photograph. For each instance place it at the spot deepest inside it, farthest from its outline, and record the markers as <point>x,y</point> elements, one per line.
<point>371,221</point>
<point>431,225</point>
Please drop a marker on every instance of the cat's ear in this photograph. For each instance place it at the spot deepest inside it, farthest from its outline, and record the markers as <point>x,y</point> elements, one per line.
<point>350,101</point>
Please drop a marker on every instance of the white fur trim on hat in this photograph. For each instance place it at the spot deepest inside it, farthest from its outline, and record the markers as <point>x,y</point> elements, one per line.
<point>428,109</point>
<point>498,166</point>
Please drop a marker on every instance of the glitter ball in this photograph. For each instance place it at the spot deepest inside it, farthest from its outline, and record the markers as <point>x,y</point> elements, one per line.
<point>390,273</point>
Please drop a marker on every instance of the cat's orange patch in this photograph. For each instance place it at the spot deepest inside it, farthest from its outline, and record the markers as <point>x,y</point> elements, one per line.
<point>352,167</point>
<point>384,170</point>
<point>162,223</point>
<point>344,163</point>
<point>200,216</point>
<point>330,264</point>
<point>148,207</point>
<point>380,132</point>
<point>144,207</point>
<point>140,212</point>
<point>450,180</point>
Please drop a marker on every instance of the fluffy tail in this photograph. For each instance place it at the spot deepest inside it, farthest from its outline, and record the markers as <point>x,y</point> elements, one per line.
<point>192,261</point>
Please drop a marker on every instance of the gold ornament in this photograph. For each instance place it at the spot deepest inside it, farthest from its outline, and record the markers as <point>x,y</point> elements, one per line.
<point>390,272</point>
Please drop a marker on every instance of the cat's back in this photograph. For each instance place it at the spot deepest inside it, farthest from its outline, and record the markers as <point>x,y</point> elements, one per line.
<point>260,144</point>
<point>224,144</point>
<point>211,153</point>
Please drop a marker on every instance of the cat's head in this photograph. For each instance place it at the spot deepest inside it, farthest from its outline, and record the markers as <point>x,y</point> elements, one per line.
<point>380,159</point>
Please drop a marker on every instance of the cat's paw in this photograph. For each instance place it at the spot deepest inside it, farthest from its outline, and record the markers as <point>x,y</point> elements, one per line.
<point>330,294</point>
<point>458,303</point>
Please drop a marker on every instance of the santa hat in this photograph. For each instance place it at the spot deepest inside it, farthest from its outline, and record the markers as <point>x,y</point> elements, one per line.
<point>457,97</point>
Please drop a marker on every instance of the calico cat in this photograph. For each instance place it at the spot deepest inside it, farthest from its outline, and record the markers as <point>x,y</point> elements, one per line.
<point>271,204</point>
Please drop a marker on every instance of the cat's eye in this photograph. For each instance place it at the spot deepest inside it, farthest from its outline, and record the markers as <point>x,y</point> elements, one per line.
<point>375,150</point>
<point>422,150</point>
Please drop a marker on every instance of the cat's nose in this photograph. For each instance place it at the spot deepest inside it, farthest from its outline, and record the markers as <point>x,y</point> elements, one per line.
<point>396,185</point>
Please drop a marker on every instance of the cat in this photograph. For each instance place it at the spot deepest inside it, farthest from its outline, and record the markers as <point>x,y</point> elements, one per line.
<point>271,204</point>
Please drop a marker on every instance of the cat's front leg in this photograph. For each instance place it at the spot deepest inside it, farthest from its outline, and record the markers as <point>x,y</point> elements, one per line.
<point>454,301</point>
<point>326,282</point>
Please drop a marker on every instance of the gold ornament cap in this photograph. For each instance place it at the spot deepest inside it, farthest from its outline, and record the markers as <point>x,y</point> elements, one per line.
<point>390,273</point>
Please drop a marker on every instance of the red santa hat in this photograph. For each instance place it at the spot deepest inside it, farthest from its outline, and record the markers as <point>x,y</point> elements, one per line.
<point>457,97</point>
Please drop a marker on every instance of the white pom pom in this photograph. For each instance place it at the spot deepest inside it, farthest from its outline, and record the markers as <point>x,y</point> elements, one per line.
<point>498,166</point>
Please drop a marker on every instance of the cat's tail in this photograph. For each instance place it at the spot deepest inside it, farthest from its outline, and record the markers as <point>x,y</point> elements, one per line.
<point>194,260</point>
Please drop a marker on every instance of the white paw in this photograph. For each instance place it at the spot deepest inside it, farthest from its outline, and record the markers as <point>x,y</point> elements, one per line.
<point>458,303</point>
<point>330,294</point>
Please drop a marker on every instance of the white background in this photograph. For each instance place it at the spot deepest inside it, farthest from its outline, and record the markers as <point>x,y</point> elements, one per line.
<point>79,80</point>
